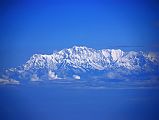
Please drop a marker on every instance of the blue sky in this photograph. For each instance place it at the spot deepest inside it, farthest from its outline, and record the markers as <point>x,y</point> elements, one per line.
<point>29,27</point>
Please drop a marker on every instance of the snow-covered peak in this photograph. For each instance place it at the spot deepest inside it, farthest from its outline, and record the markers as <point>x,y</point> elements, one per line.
<point>116,54</point>
<point>82,57</point>
<point>79,47</point>
<point>153,56</point>
<point>77,50</point>
<point>80,61</point>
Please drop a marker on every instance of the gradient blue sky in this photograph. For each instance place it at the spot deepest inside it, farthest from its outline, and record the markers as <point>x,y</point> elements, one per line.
<point>29,27</point>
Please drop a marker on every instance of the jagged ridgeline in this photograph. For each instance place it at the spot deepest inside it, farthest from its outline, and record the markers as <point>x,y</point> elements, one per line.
<point>80,62</point>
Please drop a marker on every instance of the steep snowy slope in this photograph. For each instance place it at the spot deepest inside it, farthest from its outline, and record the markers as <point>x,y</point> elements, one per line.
<point>87,62</point>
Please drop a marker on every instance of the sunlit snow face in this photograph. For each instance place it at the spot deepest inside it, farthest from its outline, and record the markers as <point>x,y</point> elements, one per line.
<point>76,62</point>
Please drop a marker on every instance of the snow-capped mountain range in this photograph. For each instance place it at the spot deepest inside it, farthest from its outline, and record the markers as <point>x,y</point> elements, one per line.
<point>81,62</point>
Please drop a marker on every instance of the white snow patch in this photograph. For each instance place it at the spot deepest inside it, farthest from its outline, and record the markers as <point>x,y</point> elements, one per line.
<point>97,66</point>
<point>8,81</point>
<point>52,75</point>
<point>116,54</point>
<point>35,78</point>
<point>152,56</point>
<point>76,77</point>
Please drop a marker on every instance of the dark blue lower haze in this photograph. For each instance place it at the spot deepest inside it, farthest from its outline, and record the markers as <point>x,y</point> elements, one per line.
<point>50,103</point>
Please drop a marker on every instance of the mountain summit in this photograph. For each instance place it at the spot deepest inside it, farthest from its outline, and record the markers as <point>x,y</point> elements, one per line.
<point>80,62</point>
